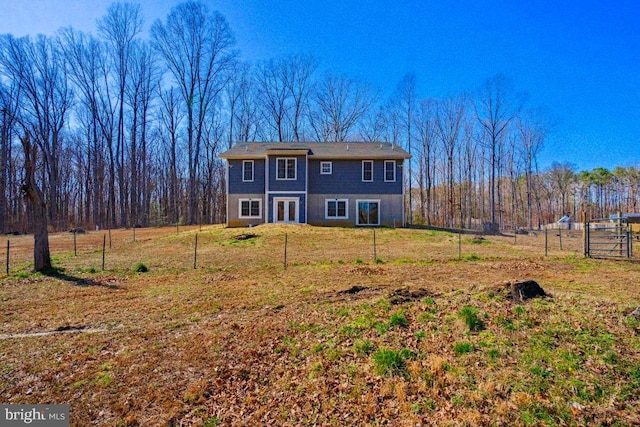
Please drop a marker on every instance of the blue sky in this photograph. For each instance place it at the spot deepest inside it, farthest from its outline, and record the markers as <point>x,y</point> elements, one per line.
<point>579,61</point>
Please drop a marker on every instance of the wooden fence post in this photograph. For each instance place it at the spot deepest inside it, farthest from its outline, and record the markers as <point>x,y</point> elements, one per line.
<point>8,245</point>
<point>375,253</point>
<point>195,252</point>
<point>285,250</point>
<point>104,244</point>
<point>560,235</point>
<point>546,242</point>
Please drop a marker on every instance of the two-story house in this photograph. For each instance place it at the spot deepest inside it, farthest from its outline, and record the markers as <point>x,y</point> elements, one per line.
<point>318,183</point>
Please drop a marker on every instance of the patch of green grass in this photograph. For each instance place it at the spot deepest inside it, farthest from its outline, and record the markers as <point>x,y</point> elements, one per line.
<point>381,327</point>
<point>79,384</point>
<point>470,316</point>
<point>463,348</point>
<point>342,311</point>
<point>398,320</point>
<point>389,362</point>
<point>493,353</point>
<point>363,347</point>
<point>103,379</point>
<point>471,257</point>
<point>420,335</point>
<point>212,422</point>
<point>140,268</point>
<point>536,414</point>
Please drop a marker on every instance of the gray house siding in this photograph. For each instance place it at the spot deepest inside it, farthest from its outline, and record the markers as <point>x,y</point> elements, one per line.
<point>346,178</point>
<point>390,209</point>
<point>233,210</point>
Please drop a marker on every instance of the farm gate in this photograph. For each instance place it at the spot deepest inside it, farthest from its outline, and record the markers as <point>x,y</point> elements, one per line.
<point>606,238</point>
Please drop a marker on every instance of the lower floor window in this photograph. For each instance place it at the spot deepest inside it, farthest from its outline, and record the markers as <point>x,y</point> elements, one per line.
<point>368,212</point>
<point>336,209</point>
<point>250,208</point>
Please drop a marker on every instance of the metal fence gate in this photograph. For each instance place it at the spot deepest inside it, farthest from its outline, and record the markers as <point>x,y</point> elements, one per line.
<point>604,238</point>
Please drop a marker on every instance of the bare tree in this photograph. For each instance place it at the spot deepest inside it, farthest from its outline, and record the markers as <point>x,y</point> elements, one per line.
<point>275,98</point>
<point>340,102</point>
<point>85,61</point>
<point>9,96</point>
<point>425,127</point>
<point>37,206</point>
<point>197,48</point>
<point>140,89</point>
<point>406,99</point>
<point>170,123</point>
<point>299,70</point>
<point>38,68</point>
<point>496,107</point>
<point>532,132</point>
<point>119,27</point>
<point>449,125</point>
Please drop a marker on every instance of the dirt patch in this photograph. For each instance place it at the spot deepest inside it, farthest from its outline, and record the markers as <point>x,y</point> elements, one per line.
<point>244,236</point>
<point>353,290</point>
<point>401,296</point>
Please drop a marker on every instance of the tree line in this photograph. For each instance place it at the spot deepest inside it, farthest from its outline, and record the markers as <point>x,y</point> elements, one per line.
<point>124,129</point>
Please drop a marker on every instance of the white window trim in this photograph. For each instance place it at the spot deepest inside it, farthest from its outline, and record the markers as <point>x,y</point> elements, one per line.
<point>363,163</point>
<point>330,168</point>
<point>385,171</point>
<point>295,168</point>
<point>368,201</point>
<point>240,216</point>
<point>253,170</point>
<point>326,208</point>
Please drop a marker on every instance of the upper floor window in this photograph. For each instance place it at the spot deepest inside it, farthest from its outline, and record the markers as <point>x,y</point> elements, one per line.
<point>326,168</point>
<point>247,170</point>
<point>367,170</point>
<point>286,168</point>
<point>390,170</point>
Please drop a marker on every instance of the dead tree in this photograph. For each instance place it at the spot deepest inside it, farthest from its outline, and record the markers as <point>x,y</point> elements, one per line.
<point>37,207</point>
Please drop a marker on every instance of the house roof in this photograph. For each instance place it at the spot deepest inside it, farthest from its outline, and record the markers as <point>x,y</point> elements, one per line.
<point>316,150</point>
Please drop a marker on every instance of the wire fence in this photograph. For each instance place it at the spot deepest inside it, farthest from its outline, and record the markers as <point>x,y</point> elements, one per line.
<point>282,246</point>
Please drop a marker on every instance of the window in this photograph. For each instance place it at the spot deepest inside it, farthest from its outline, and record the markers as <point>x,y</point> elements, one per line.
<point>367,170</point>
<point>389,170</point>
<point>286,169</point>
<point>336,209</point>
<point>368,212</point>
<point>247,171</point>
<point>325,168</point>
<point>250,208</point>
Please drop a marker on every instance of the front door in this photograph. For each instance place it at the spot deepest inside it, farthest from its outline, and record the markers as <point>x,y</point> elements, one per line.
<point>286,209</point>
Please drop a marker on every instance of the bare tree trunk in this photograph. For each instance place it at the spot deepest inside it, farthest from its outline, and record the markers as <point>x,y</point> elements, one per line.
<point>37,206</point>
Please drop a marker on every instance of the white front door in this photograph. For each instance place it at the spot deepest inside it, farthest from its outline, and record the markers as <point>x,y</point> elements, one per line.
<point>286,209</point>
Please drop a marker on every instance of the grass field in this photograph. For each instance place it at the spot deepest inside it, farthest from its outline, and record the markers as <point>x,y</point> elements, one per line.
<point>416,331</point>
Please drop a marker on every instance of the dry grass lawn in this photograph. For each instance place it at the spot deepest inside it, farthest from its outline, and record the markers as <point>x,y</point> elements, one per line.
<point>425,336</point>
